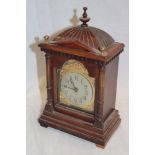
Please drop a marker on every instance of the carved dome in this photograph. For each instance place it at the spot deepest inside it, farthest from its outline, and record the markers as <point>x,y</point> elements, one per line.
<point>87,41</point>
<point>89,36</point>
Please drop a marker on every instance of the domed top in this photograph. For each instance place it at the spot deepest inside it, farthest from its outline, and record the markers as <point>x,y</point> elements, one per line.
<point>86,35</point>
<point>89,36</point>
<point>84,41</point>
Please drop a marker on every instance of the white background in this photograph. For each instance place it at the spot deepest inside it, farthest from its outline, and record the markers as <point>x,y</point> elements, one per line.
<point>48,17</point>
<point>12,79</point>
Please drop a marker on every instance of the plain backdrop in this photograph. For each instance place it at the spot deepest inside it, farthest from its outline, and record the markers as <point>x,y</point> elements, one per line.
<point>47,17</point>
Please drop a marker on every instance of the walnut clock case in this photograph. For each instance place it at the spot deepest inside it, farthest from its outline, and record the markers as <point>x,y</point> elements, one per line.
<point>81,68</point>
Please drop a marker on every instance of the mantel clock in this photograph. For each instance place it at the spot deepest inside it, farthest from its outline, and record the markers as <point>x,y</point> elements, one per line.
<point>81,68</point>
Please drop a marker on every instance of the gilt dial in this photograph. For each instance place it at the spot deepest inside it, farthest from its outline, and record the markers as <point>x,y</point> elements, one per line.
<point>76,89</point>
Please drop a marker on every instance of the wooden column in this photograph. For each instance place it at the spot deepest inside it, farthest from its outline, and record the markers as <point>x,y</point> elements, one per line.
<point>49,105</point>
<point>100,101</point>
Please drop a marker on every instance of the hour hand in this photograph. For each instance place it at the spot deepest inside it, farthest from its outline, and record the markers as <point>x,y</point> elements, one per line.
<point>72,82</point>
<point>75,89</point>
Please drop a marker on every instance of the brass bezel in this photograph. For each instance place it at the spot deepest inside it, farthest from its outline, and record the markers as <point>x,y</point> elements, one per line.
<point>74,66</point>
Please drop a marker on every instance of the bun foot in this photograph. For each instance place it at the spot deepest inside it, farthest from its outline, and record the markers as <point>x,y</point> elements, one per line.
<point>43,124</point>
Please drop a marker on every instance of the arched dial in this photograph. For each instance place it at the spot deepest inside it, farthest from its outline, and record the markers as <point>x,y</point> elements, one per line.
<point>76,87</point>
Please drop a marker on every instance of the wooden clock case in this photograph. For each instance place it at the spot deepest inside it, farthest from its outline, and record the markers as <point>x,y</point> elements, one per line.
<point>99,53</point>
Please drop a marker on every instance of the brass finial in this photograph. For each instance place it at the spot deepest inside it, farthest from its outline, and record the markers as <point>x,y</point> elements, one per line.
<point>84,18</point>
<point>103,52</point>
<point>46,38</point>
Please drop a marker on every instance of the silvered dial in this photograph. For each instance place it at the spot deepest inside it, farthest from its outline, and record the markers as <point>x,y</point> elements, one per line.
<point>76,89</point>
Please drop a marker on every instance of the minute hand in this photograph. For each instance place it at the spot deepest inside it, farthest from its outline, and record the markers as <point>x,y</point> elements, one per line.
<point>73,85</point>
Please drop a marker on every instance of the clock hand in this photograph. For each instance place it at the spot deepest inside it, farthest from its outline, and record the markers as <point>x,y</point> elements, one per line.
<point>72,82</point>
<point>75,88</point>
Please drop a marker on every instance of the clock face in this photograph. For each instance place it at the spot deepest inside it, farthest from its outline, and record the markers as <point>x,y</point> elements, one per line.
<point>76,88</point>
